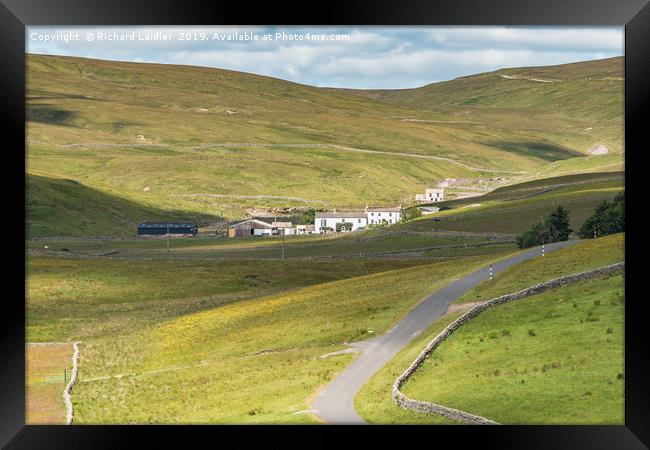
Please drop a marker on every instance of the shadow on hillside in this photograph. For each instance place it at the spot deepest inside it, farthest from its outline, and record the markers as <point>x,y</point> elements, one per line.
<point>49,114</point>
<point>61,207</point>
<point>547,152</point>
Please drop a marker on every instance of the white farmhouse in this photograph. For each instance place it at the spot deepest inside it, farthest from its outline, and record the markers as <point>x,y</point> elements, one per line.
<point>346,221</point>
<point>431,195</point>
<point>383,214</point>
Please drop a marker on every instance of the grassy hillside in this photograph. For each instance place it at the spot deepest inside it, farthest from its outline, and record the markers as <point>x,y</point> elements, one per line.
<point>215,142</point>
<point>589,92</point>
<point>78,299</point>
<point>570,369</point>
<point>198,348</point>
<point>587,255</point>
<point>61,207</point>
<point>589,89</point>
<point>576,350</point>
<point>513,209</point>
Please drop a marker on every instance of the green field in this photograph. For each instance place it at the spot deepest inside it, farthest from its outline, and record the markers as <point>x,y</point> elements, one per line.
<point>143,339</point>
<point>369,243</point>
<point>570,367</point>
<point>72,299</point>
<point>205,143</point>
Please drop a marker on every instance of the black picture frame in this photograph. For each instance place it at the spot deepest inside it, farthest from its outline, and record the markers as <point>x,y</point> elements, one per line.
<point>15,15</point>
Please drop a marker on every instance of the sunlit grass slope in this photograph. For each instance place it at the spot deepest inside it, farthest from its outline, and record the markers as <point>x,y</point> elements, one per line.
<point>250,361</point>
<point>61,207</point>
<point>556,358</point>
<point>70,299</point>
<point>566,367</point>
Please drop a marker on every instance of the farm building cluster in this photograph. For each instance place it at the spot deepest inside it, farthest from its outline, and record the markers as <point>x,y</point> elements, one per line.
<point>255,227</point>
<point>324,223</point>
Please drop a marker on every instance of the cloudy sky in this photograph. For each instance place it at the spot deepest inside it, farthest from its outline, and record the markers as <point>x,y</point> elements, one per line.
<point>354,57</point>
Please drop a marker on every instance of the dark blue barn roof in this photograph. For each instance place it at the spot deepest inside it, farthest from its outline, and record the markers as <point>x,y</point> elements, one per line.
<point>167,224</point>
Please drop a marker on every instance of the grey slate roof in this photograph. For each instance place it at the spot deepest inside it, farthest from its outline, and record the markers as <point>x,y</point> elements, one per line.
<point>341,215</point>
<point>384,209</point>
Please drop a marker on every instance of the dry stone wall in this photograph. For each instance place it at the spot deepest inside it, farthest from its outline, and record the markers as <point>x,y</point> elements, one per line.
<point>462,416</point>
<point>67,392</point>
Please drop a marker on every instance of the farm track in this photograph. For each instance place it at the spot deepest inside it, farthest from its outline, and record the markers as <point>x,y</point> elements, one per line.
<point>261,145</point>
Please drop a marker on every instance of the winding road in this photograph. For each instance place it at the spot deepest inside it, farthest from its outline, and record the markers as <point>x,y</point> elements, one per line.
<point>335,402</point>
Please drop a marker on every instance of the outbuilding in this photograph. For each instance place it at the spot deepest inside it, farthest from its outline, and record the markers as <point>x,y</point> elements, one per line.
<point>429,209</point>
<point>251,227</point>
<point>167,228</point>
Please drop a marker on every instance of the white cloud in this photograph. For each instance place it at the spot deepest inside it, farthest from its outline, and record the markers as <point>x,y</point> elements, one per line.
<point>373,57</point>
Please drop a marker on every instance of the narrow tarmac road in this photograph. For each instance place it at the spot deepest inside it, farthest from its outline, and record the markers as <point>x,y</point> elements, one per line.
<point>335,403</point>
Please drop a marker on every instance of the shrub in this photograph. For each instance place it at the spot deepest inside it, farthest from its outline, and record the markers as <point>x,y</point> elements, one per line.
<point>554,228</point>
<point>608,218</point>
<point>411,213</point>
<point>309,216</point>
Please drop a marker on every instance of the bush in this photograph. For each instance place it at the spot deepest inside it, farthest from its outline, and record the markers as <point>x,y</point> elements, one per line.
<point>608,218</point>
<point>411,213</point>
<point>554,228</point>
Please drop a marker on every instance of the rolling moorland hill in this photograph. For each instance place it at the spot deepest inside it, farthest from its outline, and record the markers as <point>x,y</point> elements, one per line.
<point>589,89</point>
<point>172,141</point>
<point>556,98</point>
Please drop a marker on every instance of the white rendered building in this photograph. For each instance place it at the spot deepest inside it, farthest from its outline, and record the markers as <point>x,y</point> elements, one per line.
<point>431,195</point>
<point>346,221</point>
<point>383,214</point>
